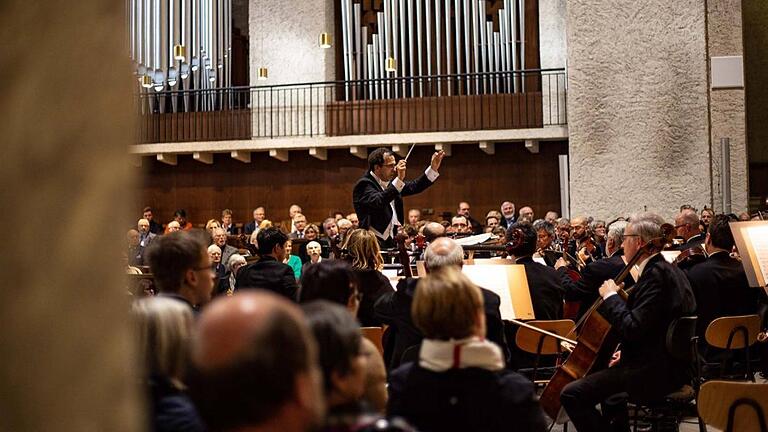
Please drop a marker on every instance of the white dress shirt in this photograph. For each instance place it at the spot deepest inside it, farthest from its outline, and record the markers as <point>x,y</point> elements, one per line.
<point>399,185</point>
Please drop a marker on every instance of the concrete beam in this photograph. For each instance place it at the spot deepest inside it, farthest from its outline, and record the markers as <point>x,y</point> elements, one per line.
<point>281,155</point>
<point>400,149</point>
<point>167,158</point>
<point>359,152</point>
<point>204,157</point>
<point>444,147</point>
<point>241,155</point>
<point>319,152</point>
<point>487,147</point>
<point>532,146</point>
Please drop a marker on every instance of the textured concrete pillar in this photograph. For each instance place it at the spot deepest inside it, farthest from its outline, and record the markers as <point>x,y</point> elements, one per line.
<point>284,37</point>
<point>638,105</point>
<point>65,119</point>
<point>727,107</point>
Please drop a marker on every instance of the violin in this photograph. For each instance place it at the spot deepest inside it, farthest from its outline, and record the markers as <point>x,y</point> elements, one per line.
<point>691,256</point>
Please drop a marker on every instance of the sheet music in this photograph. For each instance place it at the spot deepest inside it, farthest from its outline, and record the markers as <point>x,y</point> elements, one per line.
<point>493,281</point>
<point>759,238</point>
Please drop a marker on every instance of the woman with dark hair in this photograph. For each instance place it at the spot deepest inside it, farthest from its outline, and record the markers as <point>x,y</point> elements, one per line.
<point>336,281</point>
<point>364,254</point>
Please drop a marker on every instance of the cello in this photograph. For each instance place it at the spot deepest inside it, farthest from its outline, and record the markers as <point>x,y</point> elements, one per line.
<point>595,343</point>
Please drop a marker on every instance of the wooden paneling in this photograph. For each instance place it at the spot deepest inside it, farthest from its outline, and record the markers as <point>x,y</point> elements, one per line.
<point>435,114</point>
<point>322,187</point>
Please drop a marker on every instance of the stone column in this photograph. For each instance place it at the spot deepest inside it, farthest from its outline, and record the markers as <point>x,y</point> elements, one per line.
<point>638,107</point>
<point>65,115</point>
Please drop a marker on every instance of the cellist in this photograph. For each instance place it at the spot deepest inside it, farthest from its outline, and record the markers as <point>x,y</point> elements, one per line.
<point>642,368</point>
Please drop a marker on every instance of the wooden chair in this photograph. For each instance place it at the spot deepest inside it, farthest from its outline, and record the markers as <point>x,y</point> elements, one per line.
<point>374,334</point>
<point>734,333</point>
<point>539,344</point>
<point>734,406</point>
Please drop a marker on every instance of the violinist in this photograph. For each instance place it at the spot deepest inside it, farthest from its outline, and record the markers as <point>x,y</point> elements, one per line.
<point>563,231</point>
<point>599,232</point>
<point>585,290</point>
<point>545,237</point>
<point>687,227</point>
<point>642,369</point>
<point>582,245</point>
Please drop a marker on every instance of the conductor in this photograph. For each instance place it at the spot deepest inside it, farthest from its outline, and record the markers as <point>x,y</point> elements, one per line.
<point>378,195</point>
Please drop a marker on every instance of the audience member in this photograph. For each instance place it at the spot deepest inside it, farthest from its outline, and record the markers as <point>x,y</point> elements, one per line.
<point>336,281</point>
<point>293,261</point>
<point>226,285</point>
<point>172,226</point>
<point>394,309</point>
<point>314,254</point>
<point>269,272</point>
<point>414,216</point>
<point>135,249</point>
<point>491,222</point>
<point>145,233</point>
<point>220,240</point>
<point>345,364</point>
<point>508,214</point>
<point>526,214</point>
<point>180,216</point>
<point>459,225</point>
<point>214,253</point>
<point>255,366</point>
<point>344,226</point>
<point>364,254</point>
<point>475,227</point>
<point>299,224</point>
<point>352,217</point>
<point>211,225</point>
<point>226,222</point>
<point>459,382</point>
<point>164,331</point>
<point>181,267</point>
<point>259,214</point>
<point>154,227</point>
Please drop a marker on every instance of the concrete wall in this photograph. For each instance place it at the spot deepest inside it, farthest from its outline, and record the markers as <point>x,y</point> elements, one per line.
<point>727,107</point>
<point>638,105</point>
<point>66,116</point>
<point>552,42</point>
<point>284,37</point>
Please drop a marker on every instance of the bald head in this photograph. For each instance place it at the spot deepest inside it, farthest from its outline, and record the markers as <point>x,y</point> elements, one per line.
<point>443,252</point>
<point>256,348</point>
<point>433,230</point>
<point>227,327</point>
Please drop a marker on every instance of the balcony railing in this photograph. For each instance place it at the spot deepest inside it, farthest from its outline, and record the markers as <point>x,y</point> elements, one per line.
<point>483,101</point>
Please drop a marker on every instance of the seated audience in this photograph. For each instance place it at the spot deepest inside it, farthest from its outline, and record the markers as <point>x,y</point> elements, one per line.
<point>293,261</point>
<point>352,218</point>
<point>459,382</point>
<point>269,272</point>
<point>154,227</point>
<point>336,281</point>
<point>180,216</point>
<point>526,214</point>
<point>172,226</point>
<point>145,232</point>
<point>313,251</point>
<point>394,309</point>
<point>414,216</point>
<point>211,225</point>
<point>254,366</point>
<point>344,226</point>
<point>459,225</point>
<point>253,227</point>
<point>164,331</point>
<point>220,240</point>
<point>181,267</point>
<point>227,283</point>
<point>507,214</point>
<point>299,223</point>
<point>227,224</point>
<point>214,252</point>
<point>135,249</point>
<point>344,363</point>
<point>364,254</point>
<point>475,227</point>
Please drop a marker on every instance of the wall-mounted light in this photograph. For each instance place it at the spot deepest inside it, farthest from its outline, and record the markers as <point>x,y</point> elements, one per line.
<point>391,64</point>
<point>325,40</point>
<point>263,74</point>
<point>179,52</point>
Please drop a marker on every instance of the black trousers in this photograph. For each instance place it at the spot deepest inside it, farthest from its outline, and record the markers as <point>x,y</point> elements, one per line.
<point>640,384</point>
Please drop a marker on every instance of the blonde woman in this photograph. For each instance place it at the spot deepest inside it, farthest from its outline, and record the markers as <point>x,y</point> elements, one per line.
<point>211,225</point>
<point>456,358</point>
<point>364,254</point>
<point>164,331</point>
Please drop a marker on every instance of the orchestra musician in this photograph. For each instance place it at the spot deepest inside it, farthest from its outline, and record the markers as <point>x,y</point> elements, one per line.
<point>378,195</point>
<point>582,244</point>
<point>688,228</point>
<point>642,368</point>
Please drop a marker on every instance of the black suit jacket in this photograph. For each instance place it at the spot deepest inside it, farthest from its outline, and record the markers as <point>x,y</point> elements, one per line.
<point>373,285</point>
<point>394,309</point>
<point>586,289</point>
<point>696,240</point>
<point>268,274</point>
<point>546,289</point>
<point>721,289</point>
<point>503,222</point>
<point>372,202</point>
<point>661,295</point>
<point>249,228</point>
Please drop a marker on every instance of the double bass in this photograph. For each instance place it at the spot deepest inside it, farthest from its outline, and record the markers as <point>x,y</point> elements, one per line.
<point>594,343</point>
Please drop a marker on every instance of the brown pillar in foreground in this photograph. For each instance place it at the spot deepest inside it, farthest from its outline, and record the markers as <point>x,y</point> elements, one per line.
<point>67,361</point>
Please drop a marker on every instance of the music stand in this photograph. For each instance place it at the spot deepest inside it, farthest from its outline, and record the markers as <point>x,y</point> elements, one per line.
<point>752,241</point>
<point>510,283</point>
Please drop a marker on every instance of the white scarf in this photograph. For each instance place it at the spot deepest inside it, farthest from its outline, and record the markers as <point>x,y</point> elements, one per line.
<point>440,356</point>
